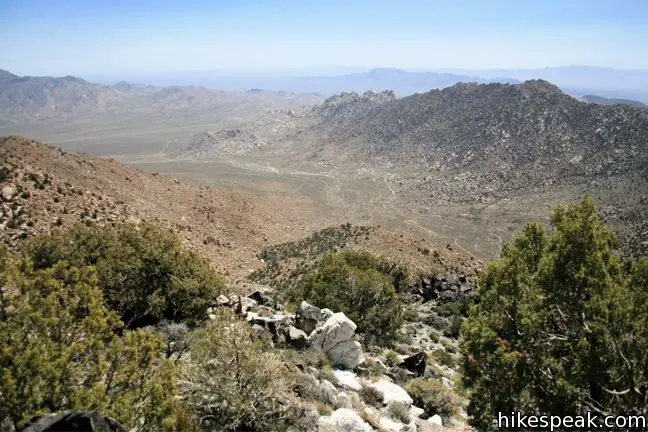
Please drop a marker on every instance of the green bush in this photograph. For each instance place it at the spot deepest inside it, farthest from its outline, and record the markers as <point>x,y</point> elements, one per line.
<point>144,273</point>
<point>61,350</point>
<point>433,397</point>
<point>353,282</point>
<point>560,326</point>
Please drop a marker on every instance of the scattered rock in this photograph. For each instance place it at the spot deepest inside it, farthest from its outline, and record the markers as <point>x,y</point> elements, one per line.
<point>9,192</point>
<point>347,379</point>
<point>258,332</point>
<point>343,420</point>
<point>342,400</point>
<point>274,324</point>
<point>334,339</point>
<point>223,301</point>
<point>436,420</point>
<point>325,314</point>
<point>391,391</point>
<point>391,425</point>
<point>307,317</point>
<point>328,390</point>
<point>262,299</point>
<point>243,304</point>
<point>426,426</point>
<point>417,412</point>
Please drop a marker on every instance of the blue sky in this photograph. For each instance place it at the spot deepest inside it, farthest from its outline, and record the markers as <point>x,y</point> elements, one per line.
<point>144,36</point>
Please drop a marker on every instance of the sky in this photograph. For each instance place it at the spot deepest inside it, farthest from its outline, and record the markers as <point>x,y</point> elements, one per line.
<point>79,37</point>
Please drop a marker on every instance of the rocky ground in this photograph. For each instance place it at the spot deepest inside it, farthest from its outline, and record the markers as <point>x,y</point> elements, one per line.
<point>359,387</point>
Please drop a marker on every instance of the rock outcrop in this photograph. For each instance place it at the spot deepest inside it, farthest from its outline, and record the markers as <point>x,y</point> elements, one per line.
<point>334,339</point>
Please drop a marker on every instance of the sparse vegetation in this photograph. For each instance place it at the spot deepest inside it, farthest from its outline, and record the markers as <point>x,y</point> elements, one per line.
<point>399,411</point>
<point>371,396</point>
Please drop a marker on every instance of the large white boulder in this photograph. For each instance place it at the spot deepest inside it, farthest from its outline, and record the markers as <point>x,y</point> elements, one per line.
<point>343,420</point>
<point>436,419</point>
<point>338,328</point>
<point>391,391</point>
<point>346,354</point>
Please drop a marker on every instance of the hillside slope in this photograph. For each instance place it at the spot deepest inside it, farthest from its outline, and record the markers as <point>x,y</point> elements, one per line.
<point>44,187</point>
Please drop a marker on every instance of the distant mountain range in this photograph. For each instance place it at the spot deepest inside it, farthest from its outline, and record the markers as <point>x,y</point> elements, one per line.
<point>403,83</point>
<point>25,100</point>
<point>611,101</point>
<point>575,80</point>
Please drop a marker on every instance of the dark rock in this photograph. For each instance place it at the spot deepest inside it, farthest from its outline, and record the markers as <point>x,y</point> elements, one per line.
<point>90,421</point>
<point>446,288</point>
<point>415,363</point>
<point>296,337</point>
<point>261,298</point>
<point>307,317</point>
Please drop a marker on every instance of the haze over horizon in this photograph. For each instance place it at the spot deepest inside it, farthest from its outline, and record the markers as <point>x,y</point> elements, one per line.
<point>89,38</point>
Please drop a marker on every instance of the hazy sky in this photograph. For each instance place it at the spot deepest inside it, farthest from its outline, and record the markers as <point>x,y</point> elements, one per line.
<point>94,36</point>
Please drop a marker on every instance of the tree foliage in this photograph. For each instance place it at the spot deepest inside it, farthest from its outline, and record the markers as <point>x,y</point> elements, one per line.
<point>356,283</point>
<point>60,349</point>
<point>143,271</point>
<point>559,326</point>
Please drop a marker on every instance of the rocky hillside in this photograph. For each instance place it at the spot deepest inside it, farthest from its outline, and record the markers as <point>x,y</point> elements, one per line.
<point>476,144</point>
<point>531,128</point>
<point>44,187</point>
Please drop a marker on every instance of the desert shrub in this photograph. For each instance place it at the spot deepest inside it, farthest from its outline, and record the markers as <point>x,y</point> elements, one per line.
<point>4,173</point>
<point>144,273</point>
<point>410,315</point>
<point>437,322</point>
<point>441,356</point>
<point>560,324</point>
<point>371,396</point>
<point>453,308</point>
<point>454,328</point>
<point>391,357</point>
<point>399,411</point>
<point>353,282</point>
<point>61,350</point>
<point>433,397</point>
<point>233,382</point>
